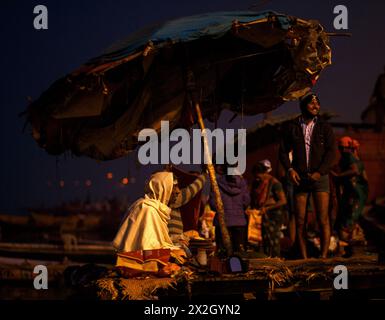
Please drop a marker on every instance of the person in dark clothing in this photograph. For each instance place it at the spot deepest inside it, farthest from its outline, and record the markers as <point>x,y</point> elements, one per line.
<point>313,147</point>
<point>235,197</point>
<point>378,101</point>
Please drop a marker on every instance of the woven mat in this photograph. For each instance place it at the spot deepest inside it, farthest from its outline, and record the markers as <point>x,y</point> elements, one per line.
<point>131,289</point>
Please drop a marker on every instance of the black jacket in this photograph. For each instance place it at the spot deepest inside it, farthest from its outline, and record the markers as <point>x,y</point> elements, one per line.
<point>322,150</point>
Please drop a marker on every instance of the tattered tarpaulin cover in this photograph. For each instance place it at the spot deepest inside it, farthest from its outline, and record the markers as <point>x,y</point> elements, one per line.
<point>245,61</point>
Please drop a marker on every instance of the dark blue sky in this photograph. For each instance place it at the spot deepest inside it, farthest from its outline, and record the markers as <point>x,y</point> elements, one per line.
<point>78,30</point>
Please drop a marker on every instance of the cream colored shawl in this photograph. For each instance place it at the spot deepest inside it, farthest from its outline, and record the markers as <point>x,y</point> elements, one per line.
<point>145,225</point>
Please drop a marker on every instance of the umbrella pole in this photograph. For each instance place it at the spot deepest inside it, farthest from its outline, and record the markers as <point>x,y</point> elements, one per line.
<point>214,184</point>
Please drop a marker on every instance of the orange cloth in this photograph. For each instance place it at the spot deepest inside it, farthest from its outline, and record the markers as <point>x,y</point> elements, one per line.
<point>254,231</point>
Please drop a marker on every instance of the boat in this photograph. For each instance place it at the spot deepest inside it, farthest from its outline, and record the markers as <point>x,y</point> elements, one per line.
<point>83,253</point>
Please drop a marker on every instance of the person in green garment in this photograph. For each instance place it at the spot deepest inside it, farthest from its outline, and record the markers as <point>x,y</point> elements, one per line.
<point>268,196</point>
<point>354,186</point>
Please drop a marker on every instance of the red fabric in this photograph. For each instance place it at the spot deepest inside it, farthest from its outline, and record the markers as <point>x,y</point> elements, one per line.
<point>162,255</point>
<point>261,193</point>
<point>190,211</point>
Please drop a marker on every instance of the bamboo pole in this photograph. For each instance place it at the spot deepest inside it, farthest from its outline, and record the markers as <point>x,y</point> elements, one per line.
<point>214,184</point>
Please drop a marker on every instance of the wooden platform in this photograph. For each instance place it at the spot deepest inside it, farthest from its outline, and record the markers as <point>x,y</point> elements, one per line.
<point>267,279</point>
<point>271,279</point>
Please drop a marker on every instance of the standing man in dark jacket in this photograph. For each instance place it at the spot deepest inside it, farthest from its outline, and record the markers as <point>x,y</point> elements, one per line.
<point>313,147</point>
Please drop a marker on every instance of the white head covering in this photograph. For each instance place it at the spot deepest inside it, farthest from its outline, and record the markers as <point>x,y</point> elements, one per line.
<point>159,187</point>
<point>267,164</point>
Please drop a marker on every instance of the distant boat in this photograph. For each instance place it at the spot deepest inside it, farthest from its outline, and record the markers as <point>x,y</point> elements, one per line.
<point>79,221</point>
<point>86,253</point>
<point>49,220</point>
<point>14,219</point>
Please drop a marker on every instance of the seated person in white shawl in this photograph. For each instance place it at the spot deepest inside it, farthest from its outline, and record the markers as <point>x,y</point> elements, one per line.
<point>145,225</point>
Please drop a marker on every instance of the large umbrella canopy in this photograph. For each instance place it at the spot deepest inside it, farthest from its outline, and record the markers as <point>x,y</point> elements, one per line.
<point>240,60</point>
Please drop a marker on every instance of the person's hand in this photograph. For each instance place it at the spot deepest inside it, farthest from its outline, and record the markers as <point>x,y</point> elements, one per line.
<point>196,174</point>
<point>204,168</point>
<point>263,211</point>
<point>184,241</point>
<point>334,174</point>
<point>315,176</point>
<point>372,100</point>
<point>294,177</point>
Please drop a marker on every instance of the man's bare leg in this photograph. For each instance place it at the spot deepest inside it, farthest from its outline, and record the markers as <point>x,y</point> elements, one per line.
<point>300,201</point>
<point>321,201</point>
<point>292,228</point>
